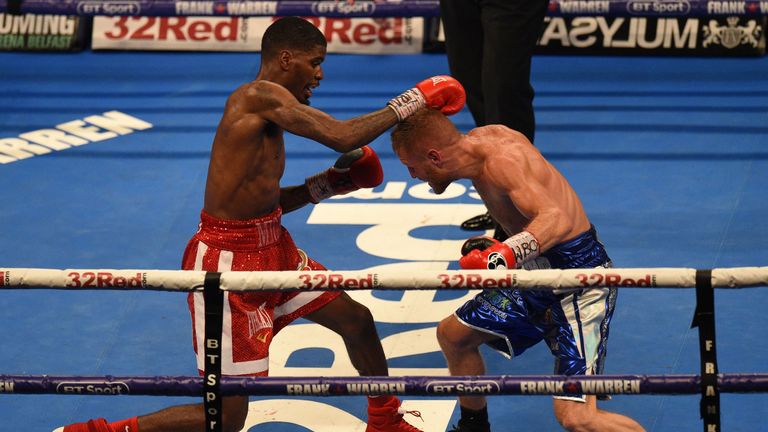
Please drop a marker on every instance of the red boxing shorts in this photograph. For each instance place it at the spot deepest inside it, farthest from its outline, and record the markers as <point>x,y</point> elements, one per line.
<point>251,319</point>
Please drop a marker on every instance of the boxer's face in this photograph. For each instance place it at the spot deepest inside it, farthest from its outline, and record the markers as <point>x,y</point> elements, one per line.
<point>306,72</point>
<point>424,165</point>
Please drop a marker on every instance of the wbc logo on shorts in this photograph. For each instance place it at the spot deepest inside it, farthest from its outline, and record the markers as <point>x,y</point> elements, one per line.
<point>496,261</point>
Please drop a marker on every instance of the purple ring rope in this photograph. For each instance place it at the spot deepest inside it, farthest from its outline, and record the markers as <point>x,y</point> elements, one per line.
<point>360,8</point>
<point>410,386</point>
<point>367,8</point>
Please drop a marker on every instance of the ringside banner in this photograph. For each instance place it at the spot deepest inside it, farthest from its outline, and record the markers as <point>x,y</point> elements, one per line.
<point>344,35</point>
<point>727,36</point>
<point>30,32</point>
<point>633,35</point>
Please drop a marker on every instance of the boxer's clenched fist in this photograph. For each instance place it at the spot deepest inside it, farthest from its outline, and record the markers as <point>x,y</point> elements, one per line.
<point>440,92</point>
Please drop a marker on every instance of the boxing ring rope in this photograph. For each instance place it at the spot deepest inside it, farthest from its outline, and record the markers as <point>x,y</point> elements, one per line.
<point>177,280</point>
<point>213,284</point>
<point>357,386</point>
<point>367,8</point>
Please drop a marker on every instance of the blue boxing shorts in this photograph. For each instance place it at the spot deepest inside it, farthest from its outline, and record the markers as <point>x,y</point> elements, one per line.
<point>574,323</point>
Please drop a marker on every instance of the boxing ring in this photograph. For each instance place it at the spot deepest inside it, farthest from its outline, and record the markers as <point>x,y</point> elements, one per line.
<point>34,240</point>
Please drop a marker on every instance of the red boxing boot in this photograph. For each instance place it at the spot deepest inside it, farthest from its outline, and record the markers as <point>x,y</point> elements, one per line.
<point>385,415</point>
<point>97,425</point>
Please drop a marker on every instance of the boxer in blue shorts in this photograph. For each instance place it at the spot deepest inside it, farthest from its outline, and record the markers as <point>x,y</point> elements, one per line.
<point>528,197</point>
<point>574,324</point>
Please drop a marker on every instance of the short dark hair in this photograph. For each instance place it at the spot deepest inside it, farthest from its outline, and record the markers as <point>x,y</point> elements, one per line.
<point>416,126</point>
<point>291,33</point>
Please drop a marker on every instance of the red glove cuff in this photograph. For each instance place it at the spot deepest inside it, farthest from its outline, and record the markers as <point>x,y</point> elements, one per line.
<point>353,170</point>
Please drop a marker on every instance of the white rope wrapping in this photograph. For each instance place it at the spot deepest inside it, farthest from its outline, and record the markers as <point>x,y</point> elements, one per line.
<point>739,277</point>
<point>164,280</point>
<point>178,280</point>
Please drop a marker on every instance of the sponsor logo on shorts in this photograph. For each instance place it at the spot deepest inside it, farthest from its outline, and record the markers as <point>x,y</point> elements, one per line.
<point>659,7</point>
<point>94,388</point>
<point>475,387</point>
<point>494,310</point>
<point>361,8</point>
<point>108,8</point>
<point>259,320</point>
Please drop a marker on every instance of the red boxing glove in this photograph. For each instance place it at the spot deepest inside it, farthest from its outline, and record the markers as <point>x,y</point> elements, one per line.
<point>485,253</point>
<point>443,93</point>
<point>359,168</point>
<point>440,92</point>
<point>488,253</point>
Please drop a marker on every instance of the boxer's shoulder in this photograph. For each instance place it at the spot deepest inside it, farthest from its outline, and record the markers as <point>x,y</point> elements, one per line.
<point>260,92</point>
<point>498,133</point>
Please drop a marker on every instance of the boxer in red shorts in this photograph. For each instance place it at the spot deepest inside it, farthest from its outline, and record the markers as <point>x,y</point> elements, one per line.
<point>251,319</point>
<point>240,223</point>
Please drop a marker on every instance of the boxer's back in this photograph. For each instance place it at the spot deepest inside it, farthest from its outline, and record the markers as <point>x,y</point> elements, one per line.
<point>515,168</point>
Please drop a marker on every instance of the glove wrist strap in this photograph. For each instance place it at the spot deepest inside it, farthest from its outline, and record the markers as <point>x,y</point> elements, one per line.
<point>525,247</point>
<point>319,187</point>
<point>407,103</point>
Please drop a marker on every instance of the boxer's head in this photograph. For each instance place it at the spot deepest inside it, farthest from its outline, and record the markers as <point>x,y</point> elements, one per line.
<point>293,49</point>
<point>422,142</point>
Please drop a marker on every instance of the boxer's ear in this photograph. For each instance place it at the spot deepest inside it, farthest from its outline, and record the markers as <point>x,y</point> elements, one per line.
<point>284,59</point>
<point>435,157</point>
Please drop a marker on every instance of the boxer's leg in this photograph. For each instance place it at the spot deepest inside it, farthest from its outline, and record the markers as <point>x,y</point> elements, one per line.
<point>585,416</point>
<point>354,323</point>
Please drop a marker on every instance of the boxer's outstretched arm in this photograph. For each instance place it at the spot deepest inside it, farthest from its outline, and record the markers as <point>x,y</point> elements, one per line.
<point>275,103</point>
